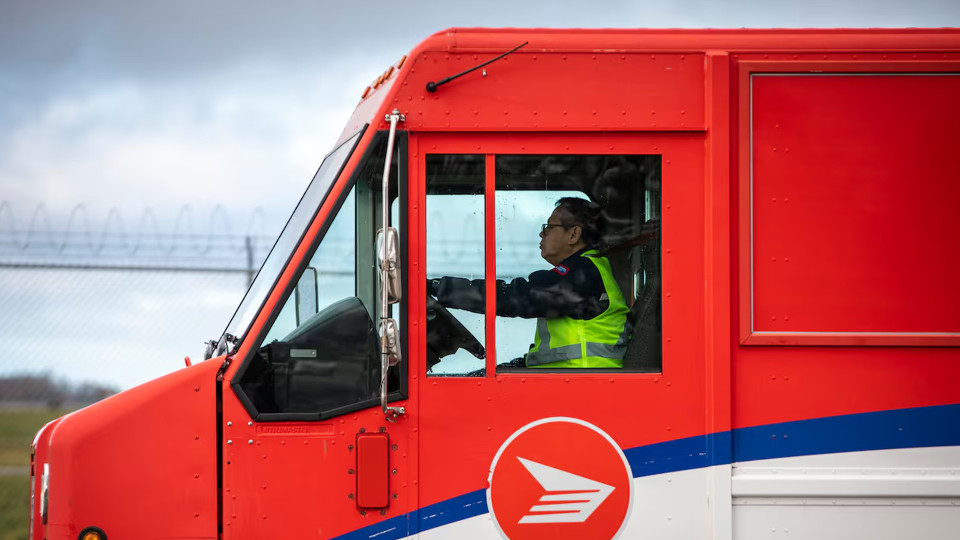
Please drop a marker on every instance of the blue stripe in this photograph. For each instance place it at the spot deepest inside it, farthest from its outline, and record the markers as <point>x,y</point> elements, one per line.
<point>899,428</point>
<point>455,509</point>
<point>388,529</point>
<point>429,517</point>
<point>680,454</point>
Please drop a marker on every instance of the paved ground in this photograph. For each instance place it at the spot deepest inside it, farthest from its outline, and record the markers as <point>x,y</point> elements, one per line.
<point>14,470</point>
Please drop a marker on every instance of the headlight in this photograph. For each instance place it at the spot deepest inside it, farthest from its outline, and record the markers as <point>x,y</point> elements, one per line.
<point>44,493</point>
<point>33,492</point>
<point>92,533</point>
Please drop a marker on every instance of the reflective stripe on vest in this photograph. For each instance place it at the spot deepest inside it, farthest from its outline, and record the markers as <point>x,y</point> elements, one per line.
<point>593,343</point>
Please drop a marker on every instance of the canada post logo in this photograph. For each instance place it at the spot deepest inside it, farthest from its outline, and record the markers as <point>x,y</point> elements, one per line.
<point>560,478</point>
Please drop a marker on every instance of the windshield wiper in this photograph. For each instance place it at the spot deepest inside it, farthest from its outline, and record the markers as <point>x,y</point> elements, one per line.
<point>432,86</point>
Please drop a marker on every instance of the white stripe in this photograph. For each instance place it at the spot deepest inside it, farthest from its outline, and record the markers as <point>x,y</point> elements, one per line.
<point>569,507</point>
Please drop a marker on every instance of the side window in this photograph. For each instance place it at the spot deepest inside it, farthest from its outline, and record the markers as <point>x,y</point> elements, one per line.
<point>455,247</point>
<point>320,356</point>
<point>329,278</point>
<point>520,216</point>
<point>576,263</point>
<point>595,304</point>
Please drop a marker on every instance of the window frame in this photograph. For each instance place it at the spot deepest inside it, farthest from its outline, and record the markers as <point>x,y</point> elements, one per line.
<point>492,145</point>
<point>402,392</point>
<point>486,246</point>
<point>241,336</point>
<point>743,181</point>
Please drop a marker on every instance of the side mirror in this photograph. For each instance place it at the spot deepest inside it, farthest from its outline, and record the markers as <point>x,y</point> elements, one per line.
<point>306,296</point>
<point>388,258</point>
<point>390,341</point>
<point>209,349</point>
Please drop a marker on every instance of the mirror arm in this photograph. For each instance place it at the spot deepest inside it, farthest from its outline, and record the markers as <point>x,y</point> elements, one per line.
<point>387,326</point>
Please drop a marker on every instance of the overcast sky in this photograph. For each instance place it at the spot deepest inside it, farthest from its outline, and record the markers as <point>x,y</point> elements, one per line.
<point>132,104</point>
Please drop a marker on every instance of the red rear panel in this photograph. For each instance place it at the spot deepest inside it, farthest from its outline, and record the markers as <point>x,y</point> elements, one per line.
<point>849,230</point>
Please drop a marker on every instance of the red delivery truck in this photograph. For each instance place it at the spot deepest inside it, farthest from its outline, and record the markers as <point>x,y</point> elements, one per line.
<point>579,284</point>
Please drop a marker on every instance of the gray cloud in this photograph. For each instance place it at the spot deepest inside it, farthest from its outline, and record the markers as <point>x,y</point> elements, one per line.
<point>155,39</point>
<point>127,97</point>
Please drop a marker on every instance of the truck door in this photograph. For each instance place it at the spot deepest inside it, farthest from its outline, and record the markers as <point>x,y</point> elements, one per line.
<point>565,453</point>
<point>306,449</point>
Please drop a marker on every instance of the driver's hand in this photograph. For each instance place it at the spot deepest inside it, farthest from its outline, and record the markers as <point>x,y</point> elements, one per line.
<point>433,286</point>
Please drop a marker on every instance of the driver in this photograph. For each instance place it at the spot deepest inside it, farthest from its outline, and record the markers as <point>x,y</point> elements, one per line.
<point>580,311</point>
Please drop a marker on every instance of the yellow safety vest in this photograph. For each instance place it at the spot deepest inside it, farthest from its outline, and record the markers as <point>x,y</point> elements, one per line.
<point>600,342</point>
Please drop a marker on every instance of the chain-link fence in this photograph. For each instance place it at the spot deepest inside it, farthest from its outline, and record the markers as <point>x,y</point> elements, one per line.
<point>72,337</point>
<point>71,333</point>
<point>84,315</point>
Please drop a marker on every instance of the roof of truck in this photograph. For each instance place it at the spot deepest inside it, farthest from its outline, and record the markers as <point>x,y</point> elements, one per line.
<point>454,50</point>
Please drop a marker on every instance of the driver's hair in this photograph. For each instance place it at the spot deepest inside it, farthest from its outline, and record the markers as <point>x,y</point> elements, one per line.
<point>587,215</point>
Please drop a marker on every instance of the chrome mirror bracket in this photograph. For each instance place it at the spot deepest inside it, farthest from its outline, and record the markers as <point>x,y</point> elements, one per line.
<point>388,254</point>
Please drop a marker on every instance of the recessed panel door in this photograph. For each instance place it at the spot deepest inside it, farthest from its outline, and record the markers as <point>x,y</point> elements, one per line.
<point>561,393</point>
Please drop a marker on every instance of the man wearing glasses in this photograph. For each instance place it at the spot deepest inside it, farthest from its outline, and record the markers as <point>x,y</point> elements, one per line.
<point>580,311</point>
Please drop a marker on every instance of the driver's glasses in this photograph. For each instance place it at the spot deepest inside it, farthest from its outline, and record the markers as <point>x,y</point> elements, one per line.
<point>547,226</point>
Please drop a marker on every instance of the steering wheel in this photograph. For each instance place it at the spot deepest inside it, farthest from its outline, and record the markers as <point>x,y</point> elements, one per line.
<point>446,334</point>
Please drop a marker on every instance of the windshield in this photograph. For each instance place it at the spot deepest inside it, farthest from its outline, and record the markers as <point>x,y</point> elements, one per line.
<point>292,233</point>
